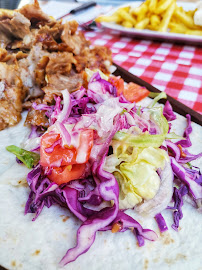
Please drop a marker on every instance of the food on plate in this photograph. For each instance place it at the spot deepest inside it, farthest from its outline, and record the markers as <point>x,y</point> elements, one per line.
<point>39,57</point>
<point>100,156</point>
<point>162,16</point>
<point>92,160</point>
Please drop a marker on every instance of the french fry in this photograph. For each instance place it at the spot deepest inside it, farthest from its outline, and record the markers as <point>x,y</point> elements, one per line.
<point>190,12</point>
<point>177,28</point>
<point>166,18</point>
<point>113,18</point>
<point>194,32</point>
<point>162,6</point>
<point>142,24</point>
<point>154,21</point>
<point>184,18</point>
<point>156,15</point>
<point>142,15</point>
<point>126,9</point>
<point>127,24</point>
<point>126,16</point>
<point>152,5</point>
<point>142,9</point>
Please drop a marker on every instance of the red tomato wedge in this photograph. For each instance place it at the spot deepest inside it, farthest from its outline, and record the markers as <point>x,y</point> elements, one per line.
<point>85,146</point>
<point>66,174</point>
<point>118,83</point>
<point>134,92</point>
<point>66,162</point>
<point>60,156</point>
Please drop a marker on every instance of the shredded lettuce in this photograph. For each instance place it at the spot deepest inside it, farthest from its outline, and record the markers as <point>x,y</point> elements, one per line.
<point>135,171</point>
<point>157,97</point>
<point>145,139</point>
<point>142,177</point>
<point>173,136</point>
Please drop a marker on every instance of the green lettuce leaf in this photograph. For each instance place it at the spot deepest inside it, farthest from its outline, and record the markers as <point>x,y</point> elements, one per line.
<point>28,158</point>
<point>157,97</point>
<point>145,139</point>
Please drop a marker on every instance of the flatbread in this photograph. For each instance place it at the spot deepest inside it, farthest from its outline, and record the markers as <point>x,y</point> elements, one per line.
<point>41,244</point>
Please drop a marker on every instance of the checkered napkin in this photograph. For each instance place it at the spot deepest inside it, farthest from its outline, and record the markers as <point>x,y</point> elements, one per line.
<point>175,69</point>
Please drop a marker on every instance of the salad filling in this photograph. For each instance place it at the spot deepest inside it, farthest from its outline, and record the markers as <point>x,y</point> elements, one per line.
<point>103,154</point>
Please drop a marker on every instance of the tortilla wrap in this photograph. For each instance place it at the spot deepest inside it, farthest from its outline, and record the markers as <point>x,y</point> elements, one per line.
<point>25,244</point>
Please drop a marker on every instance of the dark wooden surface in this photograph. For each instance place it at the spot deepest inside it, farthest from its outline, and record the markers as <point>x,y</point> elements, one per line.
<point>177,106</point>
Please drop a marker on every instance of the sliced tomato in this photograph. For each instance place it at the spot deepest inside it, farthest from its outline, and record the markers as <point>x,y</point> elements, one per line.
<point>67,163</point>
<point>134,92</point>
<point>67,173</point>
<point>118,83</point>
<point>85,146</point>
<point>60,156</point>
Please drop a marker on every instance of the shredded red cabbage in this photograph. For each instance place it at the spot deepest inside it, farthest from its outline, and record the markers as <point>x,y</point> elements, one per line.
<point>168,112</point>
<point>187,157</point>
<point>188,130</point>
<point>161,223</point>
<point>87,198</point>
<point>178,203</point>
<point>180,172</point>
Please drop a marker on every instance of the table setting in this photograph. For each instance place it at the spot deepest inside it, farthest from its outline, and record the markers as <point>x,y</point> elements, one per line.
<point>100,135</point>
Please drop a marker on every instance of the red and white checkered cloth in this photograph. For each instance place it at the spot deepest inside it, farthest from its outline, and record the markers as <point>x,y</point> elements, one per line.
<point>175,69</point>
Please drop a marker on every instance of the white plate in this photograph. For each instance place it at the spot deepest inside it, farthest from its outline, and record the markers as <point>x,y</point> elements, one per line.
<point>191,39</point>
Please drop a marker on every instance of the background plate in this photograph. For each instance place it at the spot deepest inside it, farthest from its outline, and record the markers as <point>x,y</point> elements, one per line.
<point>155,35</point>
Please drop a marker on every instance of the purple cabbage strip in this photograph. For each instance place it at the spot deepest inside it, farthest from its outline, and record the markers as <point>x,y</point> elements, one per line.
<point>41,187</point>
<point>194,174</point>
<point>92,198</point>
<point>97,84</point>
<point>127,222</point>
<point>33,177</point>
<point>178,203</point>
<point>168,112</point>
<point>36,131</point>
<point>109,191</point>
<point>71,197</point>
<point>199,180</point>
<point>52,115</point>
<point>18,161</point>
<point>177,153</point>
<point>161,223</point>
<point>174,148</point>
<point>140,238</point>
<point>78,95</point>
<point>187,132</point>
<point>189,157</point>
<point>194,188</point>
<point>33,133</point>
